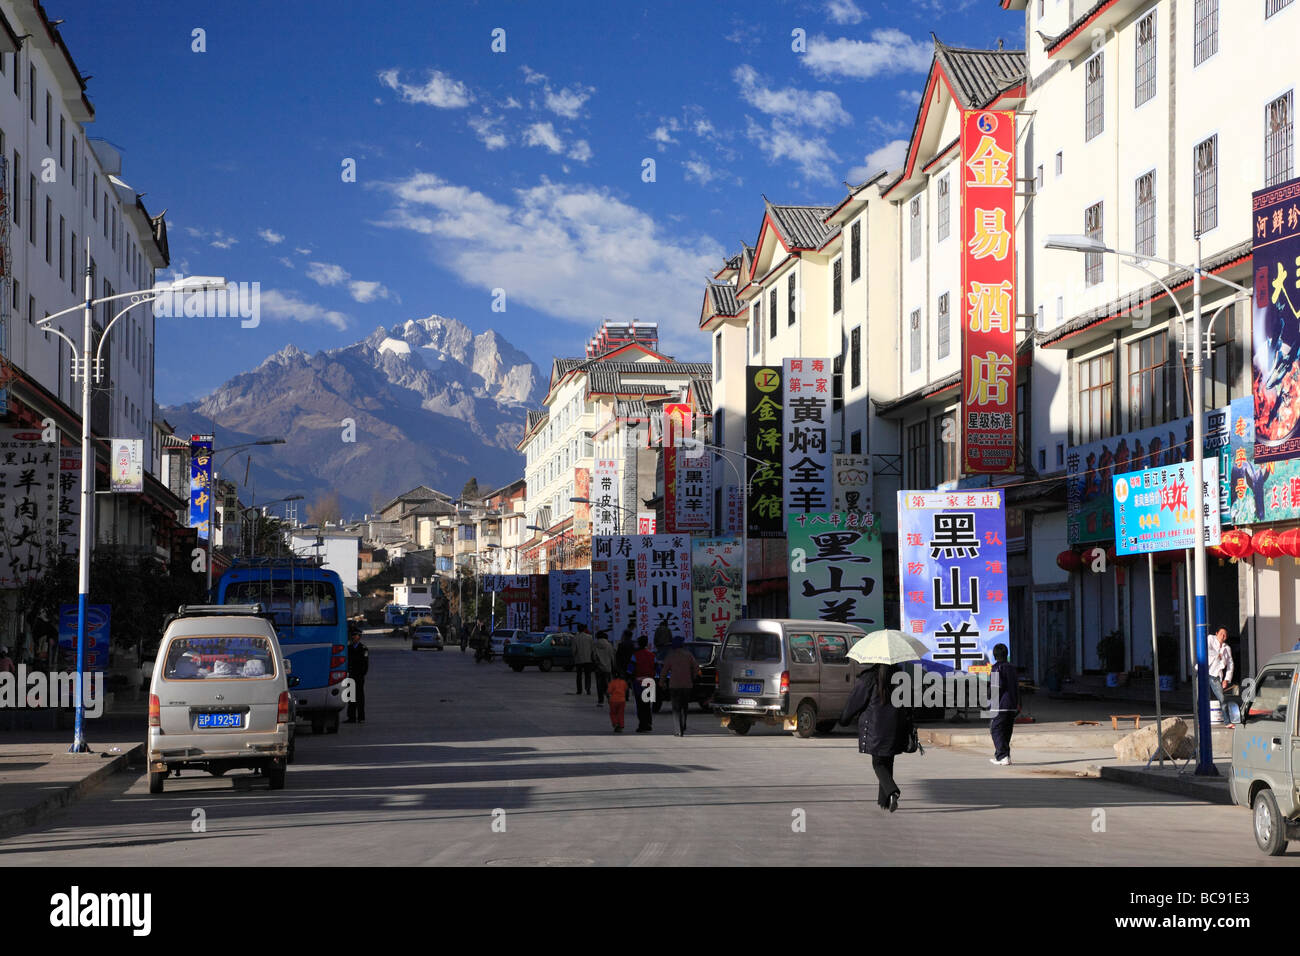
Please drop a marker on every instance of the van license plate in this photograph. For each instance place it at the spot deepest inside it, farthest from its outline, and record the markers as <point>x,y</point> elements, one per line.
<point>750,688</point>
<point>206,721</point>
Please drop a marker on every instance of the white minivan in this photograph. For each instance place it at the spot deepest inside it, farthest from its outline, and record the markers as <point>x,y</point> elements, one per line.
<point>219,696</point>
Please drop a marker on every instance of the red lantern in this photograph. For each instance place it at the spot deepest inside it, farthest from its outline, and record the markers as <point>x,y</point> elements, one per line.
<point>1236,544</point>
<point>1268,544</point>
<point>1069,561</point>
<point>1289,542</point>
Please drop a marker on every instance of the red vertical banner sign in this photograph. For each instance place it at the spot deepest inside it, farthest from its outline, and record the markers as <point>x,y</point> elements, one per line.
<point>988,278</point>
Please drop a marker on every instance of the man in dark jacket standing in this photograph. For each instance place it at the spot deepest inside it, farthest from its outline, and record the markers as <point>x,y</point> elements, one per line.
<point>1008,705</point>
<point>883,729</point>
<point>358,664</point>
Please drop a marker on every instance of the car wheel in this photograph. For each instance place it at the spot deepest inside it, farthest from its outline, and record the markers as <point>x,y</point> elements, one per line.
<point>1270,828</point>
<point>740,725</point>
<point>156,778</point>
<point>318,725</point>
<point>275,773</point>
<point>517,668</point>
<point>332,727</point>
<point>544,665</point>
<point>806,719</point>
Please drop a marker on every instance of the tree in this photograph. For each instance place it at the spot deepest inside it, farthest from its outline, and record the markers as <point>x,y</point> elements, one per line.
<point>325,508</point>
<point>471,492</point>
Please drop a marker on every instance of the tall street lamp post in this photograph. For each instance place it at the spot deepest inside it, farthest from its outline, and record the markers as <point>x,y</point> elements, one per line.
<point>1085,244</point>
<point>82,367</point>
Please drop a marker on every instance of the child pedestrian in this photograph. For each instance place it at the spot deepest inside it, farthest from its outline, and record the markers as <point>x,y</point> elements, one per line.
<point>617,691</point>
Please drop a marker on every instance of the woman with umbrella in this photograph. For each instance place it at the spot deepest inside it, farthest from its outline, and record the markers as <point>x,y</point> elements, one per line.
<point>883,729</point>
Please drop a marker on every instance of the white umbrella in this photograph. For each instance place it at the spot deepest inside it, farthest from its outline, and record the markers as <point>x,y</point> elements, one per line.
<point>887,647</point>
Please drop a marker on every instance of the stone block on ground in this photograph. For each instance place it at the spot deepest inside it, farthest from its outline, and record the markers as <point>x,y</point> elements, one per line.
<point>1140,746</point>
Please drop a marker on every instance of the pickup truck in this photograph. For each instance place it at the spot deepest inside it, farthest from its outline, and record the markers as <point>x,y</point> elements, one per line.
<point>1266,751</point>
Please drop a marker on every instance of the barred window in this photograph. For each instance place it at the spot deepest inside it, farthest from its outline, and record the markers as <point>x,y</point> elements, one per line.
<point>855,252</point>
<point>1206,36</point>
<point>918,451</point>
<point>837,285</point>
<point>946,439</point>
<point>771,315</point>
<point>943,329</point>
<point>1145,218</point>
<point>914,324</point>
<point>943,227</point>
<point>1273,6</point>
<point>915,218</point>
<point>1146,382</point>
<point>1092,265</point>
<point>790,306</point>
<point>855,357</point>
<point>1145,74</point>
<point>1094,98</point>
<point>1205,181</point>
<point>758,324</point>
<point>1095,385</point>
<point>1279,139</point>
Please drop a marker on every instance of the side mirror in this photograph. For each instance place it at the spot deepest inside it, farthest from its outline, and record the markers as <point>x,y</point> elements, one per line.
<point>1232,709</point>
<point>295,681</point>
<point>146,669</point>
<point>288,666</point>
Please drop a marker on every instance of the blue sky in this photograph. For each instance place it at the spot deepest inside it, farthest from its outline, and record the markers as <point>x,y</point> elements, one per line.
<point>478,170</point>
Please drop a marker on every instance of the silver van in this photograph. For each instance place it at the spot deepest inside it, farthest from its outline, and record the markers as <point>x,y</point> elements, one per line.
<point>793,673</point>
<point>1266,751</point>
<point>219,696</point>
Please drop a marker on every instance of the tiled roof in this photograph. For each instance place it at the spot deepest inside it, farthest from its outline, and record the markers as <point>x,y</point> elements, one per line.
<point>802,227</point>
<point>607,377</point>
<point>979,76</point>
<point>631,408</point>
<point>534,419</point>
<point>702,389</point>
<point>563,365</point>
<point>723,297</point>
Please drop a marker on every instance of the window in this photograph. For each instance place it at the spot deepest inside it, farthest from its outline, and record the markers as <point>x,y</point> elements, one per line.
<point>1205,181</point>
<point>1040,322</point>
<point>94,197</point>
<point>63,133</point>
<point>1060,163</point>
<point>1094,98</point>
<point>587,445</point>
<point>1060,309</point>
<point>946,443</point>
<point>914,324</point>
<point>49,139</point>
<point>790,306</point>
<point>758,324</point>
<point>1144,77</point>
<point>1095,382</point>
<point>717,356</point>
<point>771,314</point>
<point>918,450</point>
<point>915,219</point>
<point>17,200</point>
<point>31,92</point>
<point>855,252</point>
<point>1206,36</point>
<point>1039,179</point>
<point>943,330</point>
<point>944,205</point>
<point>1272,695</point>
<point>1224,365</point>
<point>834,649</point>
<point>62,237</point>
<point>31,209</point>
<point>49,230</point>
<point>1146,381</point>
<point>855,357</point>
<point>1060,454</point>
<point>1145,218</point>
<point>837,383</point>
<point>72,256</point>
<point>1273,6</point>
<point>31,310</point>
<point>17,82</point>
<point>1279,139</point>
<point>74,162</point>
<point>1092,267</point>
<point>837,285</point>
<point>855,443</point>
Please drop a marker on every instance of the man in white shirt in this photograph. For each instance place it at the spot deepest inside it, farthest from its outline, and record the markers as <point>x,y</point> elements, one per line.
<point>1220,662</point>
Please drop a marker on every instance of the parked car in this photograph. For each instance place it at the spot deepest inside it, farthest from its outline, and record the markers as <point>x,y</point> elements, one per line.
<point>426,635</point>
<point>544,650</point>
<point>706,655</point>
<point>219,696</point>
<point>503,636</point>
<point>795,674</point>
<point>1266,752</point>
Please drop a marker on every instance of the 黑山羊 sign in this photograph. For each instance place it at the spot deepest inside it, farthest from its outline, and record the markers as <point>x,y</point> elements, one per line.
<point>716,572</point>
<point>837,569</point>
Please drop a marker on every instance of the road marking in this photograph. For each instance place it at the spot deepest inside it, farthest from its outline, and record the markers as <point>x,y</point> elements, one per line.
<point>403,800</point>
<point>649,853</point>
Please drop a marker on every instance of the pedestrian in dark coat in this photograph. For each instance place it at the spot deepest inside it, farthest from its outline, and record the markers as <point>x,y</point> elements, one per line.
<point>883,729</point>
<point>358,665</point>
<point>1008,705</point>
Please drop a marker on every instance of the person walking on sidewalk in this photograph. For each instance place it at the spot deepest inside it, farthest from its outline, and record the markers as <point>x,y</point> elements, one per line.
<point>583,647</point>
<point>883,729</point>
<point>1220,663</point>
<point>663,640</point>
<point>617,701</point>
<point>602,657</point>
<point>358,665</point>
<point>680,670</point>
<point>623,655</point>
<point>1006,707</point>
<point>643,679</point>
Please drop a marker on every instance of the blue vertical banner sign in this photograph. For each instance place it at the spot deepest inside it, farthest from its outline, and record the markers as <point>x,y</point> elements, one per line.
<point>952,563</point>
<point>201,484</point>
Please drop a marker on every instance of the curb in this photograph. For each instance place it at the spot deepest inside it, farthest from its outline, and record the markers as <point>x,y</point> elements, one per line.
<point>1211,790</point>
<point>58,797</point>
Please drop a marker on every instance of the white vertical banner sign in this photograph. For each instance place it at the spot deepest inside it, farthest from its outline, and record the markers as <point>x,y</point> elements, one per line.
<point>29,505</point>
<point>735,511</point>
<point>663,585</point>
<point>806,468</point>
<point>605,497</point>
<point>851,481</point>
<point>127,465</point>
<point>570,598</point>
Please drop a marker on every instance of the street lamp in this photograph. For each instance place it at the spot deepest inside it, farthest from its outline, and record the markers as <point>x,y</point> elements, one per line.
<point>252,543</point>
<point>82,367</point>
<point>1086,244</point>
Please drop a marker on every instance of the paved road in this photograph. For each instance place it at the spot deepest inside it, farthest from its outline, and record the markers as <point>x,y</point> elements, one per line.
<point>449,742</point>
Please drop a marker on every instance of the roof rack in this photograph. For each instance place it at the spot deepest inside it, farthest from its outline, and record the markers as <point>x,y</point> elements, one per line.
<point>212,610</point>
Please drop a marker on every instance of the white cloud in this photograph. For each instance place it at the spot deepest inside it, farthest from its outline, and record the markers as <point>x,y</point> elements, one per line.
<point>543,134</point>
<point>781,142</point>
<point>286,262</point>
<point>369,291</point>
<point>888,51</point>
<point>301,251</point>
<point>820,108</point>
<point>576,252</point>
<point>271,236</point>
<point>488,129</point>
<point>512,104</point>
<point>580,151</point>
<point>222,241</point>
<point>698,171</point>
<point>531,75</point>
<point>439,90</point>
<point>325,273</point>
<point>910,97</point>
<point>844,11</point>
<point>568,101</point>
<point>286,305</point>
<point>663,136</point>
<point>891,156</point>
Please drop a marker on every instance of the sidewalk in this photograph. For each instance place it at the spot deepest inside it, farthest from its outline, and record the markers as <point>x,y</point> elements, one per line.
<point>38,775</point>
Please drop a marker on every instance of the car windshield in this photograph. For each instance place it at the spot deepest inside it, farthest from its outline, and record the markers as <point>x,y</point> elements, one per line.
<point>219,656</point>
<point>306,603</point>
<point>752,646</point>
<point>528,637</point>
<point>703,652</point>
<point>427,631</point>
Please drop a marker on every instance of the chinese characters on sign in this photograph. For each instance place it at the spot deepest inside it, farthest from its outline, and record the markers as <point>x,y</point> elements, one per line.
<point>952,563</point>
<point>807,469</point>
<point>716,573</point>
<point>201,484</point>
<point>539,601</point>
<point>127,468</point>
<point>694,492</point>
<point>582,512</point>
<point>735,514</point>
<point>765,419</point>
<point>837,569</point>
<point>663,585</point>
<point>69,500</point>
<point>1275,259</point>
<point>1154,508</point>
<point>605,512</point>
<point>645,522</point>
<point>671,475</point>
<point>29,505</point>
<point>570,599</point>
<point>851,483</point>
<point>988,302</point>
